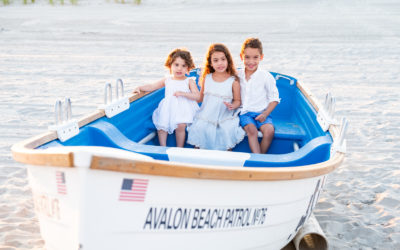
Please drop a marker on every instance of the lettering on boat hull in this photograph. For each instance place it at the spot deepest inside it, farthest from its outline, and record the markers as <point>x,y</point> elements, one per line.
<point>47,206</point>
<point>164,218</point>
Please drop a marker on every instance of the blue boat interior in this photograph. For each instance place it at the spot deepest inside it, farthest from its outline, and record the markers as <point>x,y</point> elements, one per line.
<point>298,140</point>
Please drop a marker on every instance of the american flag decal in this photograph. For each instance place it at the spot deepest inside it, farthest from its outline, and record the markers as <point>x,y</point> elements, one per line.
<point>133,190</point>
<point>60,180</point>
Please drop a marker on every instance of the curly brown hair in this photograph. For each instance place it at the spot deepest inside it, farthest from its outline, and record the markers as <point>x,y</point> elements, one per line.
<point>182,53</point>
<point>218,47</point>
<point>252,42</point>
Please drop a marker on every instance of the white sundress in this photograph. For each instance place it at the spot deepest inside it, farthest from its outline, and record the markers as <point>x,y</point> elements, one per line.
<point>174,110</point>
<point>215,126</point>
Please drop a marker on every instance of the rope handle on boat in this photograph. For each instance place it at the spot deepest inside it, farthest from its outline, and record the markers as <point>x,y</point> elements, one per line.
<point>113,107</point>
<point>65,126</point>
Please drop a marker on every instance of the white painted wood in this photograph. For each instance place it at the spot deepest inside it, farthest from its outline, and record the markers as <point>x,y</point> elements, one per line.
<point>207,157</point>
<point>252,214</point>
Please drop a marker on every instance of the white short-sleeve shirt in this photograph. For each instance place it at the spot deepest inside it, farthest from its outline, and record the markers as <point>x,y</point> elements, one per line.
<point>258,91</point>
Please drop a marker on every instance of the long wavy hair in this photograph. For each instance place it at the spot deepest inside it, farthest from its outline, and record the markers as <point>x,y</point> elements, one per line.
<point>218,47</point>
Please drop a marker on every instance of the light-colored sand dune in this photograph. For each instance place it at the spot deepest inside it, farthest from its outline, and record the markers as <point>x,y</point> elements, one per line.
<point>350,48</point>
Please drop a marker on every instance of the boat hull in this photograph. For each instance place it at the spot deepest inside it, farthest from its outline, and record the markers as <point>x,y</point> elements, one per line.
<point>87,208</point>
<point>112,187</point>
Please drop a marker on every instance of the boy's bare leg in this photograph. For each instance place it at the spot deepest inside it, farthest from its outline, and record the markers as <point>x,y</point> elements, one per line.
<point>252,135</point>
<point>268,135</point>
<point>162,137</point>
<point>180,133</point>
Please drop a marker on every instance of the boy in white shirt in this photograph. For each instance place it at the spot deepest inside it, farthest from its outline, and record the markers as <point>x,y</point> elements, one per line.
<point>259,97</point>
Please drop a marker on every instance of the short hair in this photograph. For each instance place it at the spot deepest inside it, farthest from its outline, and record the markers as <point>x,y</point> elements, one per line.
<point>182,53</point>
<point>252,42</point>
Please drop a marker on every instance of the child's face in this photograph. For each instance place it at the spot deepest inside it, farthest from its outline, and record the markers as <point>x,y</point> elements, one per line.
<point>219,62</point>
<point>251,57</point>
<point>179,68</point>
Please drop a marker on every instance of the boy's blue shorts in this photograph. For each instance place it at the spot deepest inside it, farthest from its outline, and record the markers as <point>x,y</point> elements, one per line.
<point>250,117</point>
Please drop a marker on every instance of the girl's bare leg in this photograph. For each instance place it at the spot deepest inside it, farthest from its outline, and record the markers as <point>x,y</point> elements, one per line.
<point>180,133</point>
<point>162,137</point>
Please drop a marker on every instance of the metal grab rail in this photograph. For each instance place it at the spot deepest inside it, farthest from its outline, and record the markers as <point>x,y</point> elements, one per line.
<point>113,107</point>
<point>284,77</point>
<point>63,112</point>
<point>65,126</point>
<point>329,105</point>
<point>119,85</point>
<point>107,93</point>
<point>58,112</point>
<point>343,130</point>
<point>326,114</point>
<point>68,111</point>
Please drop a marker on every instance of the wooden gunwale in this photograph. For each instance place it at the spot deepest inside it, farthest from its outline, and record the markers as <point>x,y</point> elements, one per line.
<point>187,170</point>
<point>25,152</point>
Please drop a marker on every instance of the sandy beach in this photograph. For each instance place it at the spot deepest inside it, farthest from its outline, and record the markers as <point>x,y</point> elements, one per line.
<point>348,48</point>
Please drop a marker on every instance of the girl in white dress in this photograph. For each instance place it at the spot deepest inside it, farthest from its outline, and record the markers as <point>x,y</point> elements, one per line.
<point>216,125</point>
<point>179,105</point>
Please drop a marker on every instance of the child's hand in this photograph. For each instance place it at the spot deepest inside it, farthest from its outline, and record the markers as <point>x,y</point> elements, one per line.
<point>178,93</point>
<point>261,117</point>
<point>136,90</point>
<point>229,105</point>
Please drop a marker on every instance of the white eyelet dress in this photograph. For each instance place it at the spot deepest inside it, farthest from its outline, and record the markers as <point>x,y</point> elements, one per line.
<point>215,126</point>
<point>174,110</point>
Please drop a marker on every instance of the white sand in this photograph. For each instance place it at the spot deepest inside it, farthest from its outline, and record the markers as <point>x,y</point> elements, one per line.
<point>350,48</point>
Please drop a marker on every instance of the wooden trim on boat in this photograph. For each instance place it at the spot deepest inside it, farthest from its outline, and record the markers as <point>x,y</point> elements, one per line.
<point>187,170</point>
<point>91,117</point>
<point>307,93</point>
<point>134,97</point>
<point>333,130</point>
<point>25,152</point>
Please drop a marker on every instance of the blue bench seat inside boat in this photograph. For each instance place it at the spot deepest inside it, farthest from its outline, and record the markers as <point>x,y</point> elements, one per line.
<point>103,133</point>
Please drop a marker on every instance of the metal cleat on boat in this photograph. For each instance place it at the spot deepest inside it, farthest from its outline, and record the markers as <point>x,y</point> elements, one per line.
<point>326,114</point>
<point>65,127</point>
<point>113,107</point>
<point>339,144</point>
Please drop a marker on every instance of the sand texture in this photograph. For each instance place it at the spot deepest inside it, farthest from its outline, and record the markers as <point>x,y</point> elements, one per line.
<point>348,48</point>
